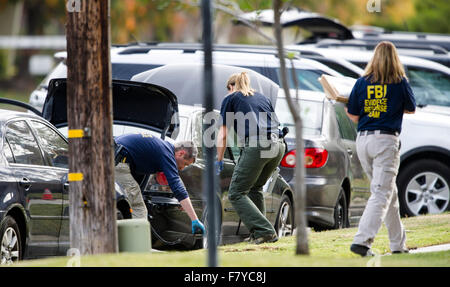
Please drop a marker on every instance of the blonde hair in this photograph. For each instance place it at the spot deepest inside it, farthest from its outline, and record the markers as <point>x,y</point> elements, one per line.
<point>241,82</point>
<point>385,66</point>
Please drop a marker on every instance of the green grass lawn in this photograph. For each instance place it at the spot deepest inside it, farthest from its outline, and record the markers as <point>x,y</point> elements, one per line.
<point>329,248</point>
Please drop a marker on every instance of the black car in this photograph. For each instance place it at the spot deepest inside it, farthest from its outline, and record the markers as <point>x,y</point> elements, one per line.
<point>34,198</point>
<point>336,185</point>
<point>34,195</point>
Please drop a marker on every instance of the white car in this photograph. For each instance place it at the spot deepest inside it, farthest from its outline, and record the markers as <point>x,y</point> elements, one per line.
<point>430,81</point>
<point>128,61</point>
<point>424,176</point>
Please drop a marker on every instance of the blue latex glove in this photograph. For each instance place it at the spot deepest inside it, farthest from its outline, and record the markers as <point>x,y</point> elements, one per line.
<point>219,167</point>
<point>196,224</point>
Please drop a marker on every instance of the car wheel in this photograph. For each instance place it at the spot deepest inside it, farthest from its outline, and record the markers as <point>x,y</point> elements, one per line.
<point>284,225</point>
<point>119,215</point>
<point>424,187</point>
<point>11,244</point>
<point>341,212</point>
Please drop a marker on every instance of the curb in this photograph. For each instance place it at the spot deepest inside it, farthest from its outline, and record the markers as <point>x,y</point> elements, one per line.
<point>434,248</point>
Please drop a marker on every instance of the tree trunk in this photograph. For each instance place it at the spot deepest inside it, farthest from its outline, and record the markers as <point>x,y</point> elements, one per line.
<point>89,108</point>
<point>300,197</point>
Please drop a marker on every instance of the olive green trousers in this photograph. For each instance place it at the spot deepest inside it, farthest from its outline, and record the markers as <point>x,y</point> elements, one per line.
<point>249,176</point>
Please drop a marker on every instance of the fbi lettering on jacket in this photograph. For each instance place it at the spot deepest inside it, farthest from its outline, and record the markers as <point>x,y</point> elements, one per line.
<point>376,101</point>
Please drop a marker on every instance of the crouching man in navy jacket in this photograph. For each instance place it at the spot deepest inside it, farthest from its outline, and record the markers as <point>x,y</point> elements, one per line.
<point>146,154</point>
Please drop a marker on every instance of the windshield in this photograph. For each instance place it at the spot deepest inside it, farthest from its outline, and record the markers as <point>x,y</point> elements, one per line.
<point>339,68</point>
<point>430,87</point>
<point>310,111</point>
<point>122,71</point>
<point>306,79</point>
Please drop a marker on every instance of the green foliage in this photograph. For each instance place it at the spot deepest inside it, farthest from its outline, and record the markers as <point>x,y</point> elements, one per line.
<point>3,64</point>
<point>253,5</point>
<point>292,54</point>
<point>431,16</point>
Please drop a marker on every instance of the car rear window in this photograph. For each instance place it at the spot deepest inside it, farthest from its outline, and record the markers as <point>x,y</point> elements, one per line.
<point>306,79</point>
<point>310,111</point>
<point>339,68</point>
<point>127,71</point>
<point>430,87</point>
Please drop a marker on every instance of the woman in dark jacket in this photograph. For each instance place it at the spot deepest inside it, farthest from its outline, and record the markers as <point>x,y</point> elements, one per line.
<point>253,118</point>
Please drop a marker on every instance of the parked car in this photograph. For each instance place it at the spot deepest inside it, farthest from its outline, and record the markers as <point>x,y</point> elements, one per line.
<point>34,199</point>
<point>326,32</point>
<point>339,65</point>
<point>130,60</point>
<point>430,81</point>
<point>337,188</point>
<point>424,176</point>
<point>430,52</point>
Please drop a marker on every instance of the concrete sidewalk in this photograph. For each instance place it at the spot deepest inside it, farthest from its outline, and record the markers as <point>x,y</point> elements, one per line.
<point>434,248</point>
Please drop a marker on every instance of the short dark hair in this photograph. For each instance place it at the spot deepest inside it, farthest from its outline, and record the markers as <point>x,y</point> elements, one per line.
<point>189,147</point>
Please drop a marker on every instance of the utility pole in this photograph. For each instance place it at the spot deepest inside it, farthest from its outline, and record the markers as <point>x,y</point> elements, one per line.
<point>89,110</point>
<point>209,176</point>
<point>300,197</point>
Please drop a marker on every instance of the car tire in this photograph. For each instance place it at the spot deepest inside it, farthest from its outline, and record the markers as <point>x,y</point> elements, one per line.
<point>284,225</point>
<point>119,215</point>
<point>10,241</point>
<point>203,242</point>
<point>417,184</point>
<point>341,211</point>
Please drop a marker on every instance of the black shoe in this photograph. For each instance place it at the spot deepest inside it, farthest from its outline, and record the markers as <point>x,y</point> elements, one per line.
<point>400,251</point>
<point>362,250</point>
<point>270,238</point>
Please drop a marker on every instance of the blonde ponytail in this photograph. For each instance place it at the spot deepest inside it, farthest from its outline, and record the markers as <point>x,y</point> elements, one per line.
<point>242,84</point>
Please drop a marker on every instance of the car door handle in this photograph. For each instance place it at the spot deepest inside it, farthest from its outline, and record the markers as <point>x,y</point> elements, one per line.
<point>25,183</point>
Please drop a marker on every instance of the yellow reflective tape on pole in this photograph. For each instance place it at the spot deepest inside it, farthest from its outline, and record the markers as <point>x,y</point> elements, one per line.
<point>75,134</point>
<point>75,176</point>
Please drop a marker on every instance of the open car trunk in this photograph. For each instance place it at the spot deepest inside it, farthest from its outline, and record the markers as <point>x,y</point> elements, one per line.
<point>319,26</point>
<point>135,104</point>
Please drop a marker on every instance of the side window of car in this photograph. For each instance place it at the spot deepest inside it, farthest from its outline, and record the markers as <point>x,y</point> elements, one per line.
<point>346,127</point>
<point>55,147</point>
<point>197,131</point>
<point>23,144</point>
<point>7,151</point>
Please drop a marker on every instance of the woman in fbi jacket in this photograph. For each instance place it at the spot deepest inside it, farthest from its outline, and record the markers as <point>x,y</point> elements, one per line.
<point>377,103</point>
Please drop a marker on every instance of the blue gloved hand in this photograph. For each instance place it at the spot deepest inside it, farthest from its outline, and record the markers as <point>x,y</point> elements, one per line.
<point>196,224</point>
<point>219,166</point>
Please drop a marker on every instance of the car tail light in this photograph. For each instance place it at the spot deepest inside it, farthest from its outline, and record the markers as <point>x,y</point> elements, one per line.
<point>289,159</point>
<point>314,158</point>
<point>161,179</point>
